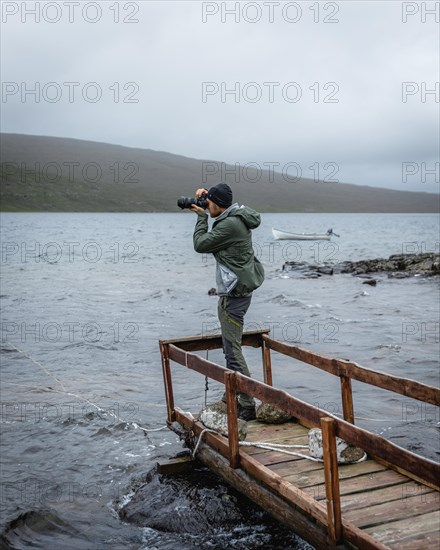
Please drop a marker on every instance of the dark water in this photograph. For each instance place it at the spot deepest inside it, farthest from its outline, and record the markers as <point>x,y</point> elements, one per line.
<point>87,296</point>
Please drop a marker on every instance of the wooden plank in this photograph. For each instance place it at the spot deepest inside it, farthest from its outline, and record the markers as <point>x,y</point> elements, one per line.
<point>293,467</point>
<point>397,510</point>
<point>360,539</point>
<point>289,441</point>
<point>167,381</point>
<point>214,341</point>
<point>427,541</point>
<point>283,488</point>
<point>269,458</point>
<point>282,511</point>
<point>258,430</point>
<point>231,401</point>
<point>390,454</point>
<point>388,494</point>
<point>358,484</point>
<point>315,476</point>
<point>331,475</point>
<point>197,363</point>
<point>347,399</point>
<point>341,367</point>
<point>296,467</point>
<point>277,437</point>
<point>175,465</point>
<point>267,365</point>
<point>379,448</point>
<point>396,531</point>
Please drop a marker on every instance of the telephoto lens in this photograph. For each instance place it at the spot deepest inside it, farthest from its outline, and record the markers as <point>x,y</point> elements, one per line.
<point>187,202</point>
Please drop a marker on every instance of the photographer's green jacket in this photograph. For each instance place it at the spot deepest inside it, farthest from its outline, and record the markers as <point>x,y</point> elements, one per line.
<point>239,272</point>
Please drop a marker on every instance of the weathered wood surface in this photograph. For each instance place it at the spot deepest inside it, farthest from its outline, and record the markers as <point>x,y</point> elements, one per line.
<point>390,454</point>
<point>346,471</point>
<point>347,399</point>
<point>258,471</point>
<point>167,381</point>
<point>331,475</point>
<point>304,526</point>
<point>371,494</point>
<point>175,465</point>
<point>231,400</point>
<point>394,493</point>
<point>379,448</point>
<point>393,533</point>
<point>342,367</point>
<point>214,341</point>
<point>400,509</point>
<point>381,506</point>
<point>285,490</point>
<point>359,484</point>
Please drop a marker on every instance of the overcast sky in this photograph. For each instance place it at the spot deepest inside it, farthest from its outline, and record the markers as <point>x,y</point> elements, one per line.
<point>339,87</point>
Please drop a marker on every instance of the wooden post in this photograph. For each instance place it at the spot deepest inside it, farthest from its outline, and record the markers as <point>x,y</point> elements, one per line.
<point>267,364</point>
<point>334,524</point>
<point>347,399</point>
<point>231,401</point>
<point>168,384</point>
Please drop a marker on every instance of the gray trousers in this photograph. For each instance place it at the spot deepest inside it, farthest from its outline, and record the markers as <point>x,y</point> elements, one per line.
<point>231,312</point>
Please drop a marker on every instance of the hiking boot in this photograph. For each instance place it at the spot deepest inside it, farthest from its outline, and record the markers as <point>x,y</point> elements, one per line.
<point>246,413</point>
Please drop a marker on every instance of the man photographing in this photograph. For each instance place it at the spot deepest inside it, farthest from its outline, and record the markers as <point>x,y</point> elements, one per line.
<point>238,272</point>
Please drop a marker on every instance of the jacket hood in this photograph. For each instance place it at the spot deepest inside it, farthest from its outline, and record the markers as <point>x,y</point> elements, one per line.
<point>249,216</point>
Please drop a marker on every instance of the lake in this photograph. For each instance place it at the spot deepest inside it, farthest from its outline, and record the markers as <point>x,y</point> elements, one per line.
<point>85,298</point>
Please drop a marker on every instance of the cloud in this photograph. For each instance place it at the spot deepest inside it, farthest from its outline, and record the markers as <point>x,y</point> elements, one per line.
<point>348,62</point>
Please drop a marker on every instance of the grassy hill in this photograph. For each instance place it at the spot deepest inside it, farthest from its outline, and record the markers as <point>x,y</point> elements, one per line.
<point>41,173</point>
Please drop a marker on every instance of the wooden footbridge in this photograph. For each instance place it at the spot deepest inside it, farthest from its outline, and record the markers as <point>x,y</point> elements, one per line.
<point>390,500</point>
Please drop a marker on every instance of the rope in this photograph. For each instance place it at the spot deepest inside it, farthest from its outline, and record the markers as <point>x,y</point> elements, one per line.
<point>279,447</point>
<point>364,418</point>
<point>202,433</point>
<point>97,407</point>
<point>262,445</point>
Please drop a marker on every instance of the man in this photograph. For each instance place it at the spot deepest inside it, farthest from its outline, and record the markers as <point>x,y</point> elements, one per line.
<point>238,272</point>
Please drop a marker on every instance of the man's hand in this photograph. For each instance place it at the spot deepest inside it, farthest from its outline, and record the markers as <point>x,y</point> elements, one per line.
<point>200,192</point>
<point>197,209</point>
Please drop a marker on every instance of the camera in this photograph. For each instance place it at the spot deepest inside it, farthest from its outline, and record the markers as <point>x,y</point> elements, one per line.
<point>187,202</point>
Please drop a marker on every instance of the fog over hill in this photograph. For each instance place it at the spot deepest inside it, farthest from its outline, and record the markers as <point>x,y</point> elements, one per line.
<point>40,173</point>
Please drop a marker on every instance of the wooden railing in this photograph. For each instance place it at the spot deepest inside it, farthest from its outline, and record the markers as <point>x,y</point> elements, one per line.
<point>414,466</point>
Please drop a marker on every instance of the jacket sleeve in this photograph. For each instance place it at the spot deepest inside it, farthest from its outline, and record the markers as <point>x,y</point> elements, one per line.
<point>213,241</point>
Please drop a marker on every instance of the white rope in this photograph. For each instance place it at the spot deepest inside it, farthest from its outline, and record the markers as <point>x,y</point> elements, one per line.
<point>97,407</point>
<point>202,433</point>
<point>279,447</point>
<point>41,366</point>
<point>267,447</point>
<point>364,418</point>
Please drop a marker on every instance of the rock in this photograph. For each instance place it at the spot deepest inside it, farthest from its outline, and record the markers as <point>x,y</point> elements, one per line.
<point>345,452</point>
<point>214,416</point>
<point>399,275</point>
<point>212,292</point>
<point>271,415</point>
<point>325,270</point>
<point>400,265</point>
<point>371,282</point>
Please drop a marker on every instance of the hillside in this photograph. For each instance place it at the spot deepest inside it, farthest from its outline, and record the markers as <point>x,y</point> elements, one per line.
<point>41,173</point>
